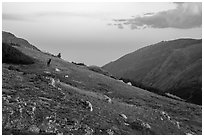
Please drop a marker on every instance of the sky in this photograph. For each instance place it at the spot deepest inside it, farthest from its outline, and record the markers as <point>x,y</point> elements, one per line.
<point>97,33</point>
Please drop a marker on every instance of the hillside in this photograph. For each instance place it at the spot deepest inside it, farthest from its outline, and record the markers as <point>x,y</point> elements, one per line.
<point>69,99</point>
<point>169,66</point>
<point>12,55</point>
<point>11,39</point>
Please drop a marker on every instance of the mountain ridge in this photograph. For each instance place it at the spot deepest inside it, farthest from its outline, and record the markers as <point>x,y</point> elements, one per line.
<point>158,65</point>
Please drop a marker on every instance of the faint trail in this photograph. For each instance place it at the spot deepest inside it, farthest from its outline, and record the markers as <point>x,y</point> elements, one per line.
<point>81,91</point>
<point>95,95</point>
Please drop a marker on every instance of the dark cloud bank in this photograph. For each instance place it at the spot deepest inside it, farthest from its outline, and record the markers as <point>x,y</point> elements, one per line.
<point>184,16</point>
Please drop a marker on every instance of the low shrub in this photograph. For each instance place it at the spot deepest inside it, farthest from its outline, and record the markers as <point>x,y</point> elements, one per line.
<point>14,56</point>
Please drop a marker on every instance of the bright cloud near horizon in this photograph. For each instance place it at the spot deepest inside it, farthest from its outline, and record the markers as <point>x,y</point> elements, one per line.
<point>97,33</point>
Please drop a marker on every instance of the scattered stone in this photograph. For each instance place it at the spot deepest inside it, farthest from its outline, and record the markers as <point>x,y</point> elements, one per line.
<point>88,130</point>
<point>146,125</point>
<point>166,115</point>
<point>126,124</point>
<point>110,132</point>
<point>13,68</point>
<point>140,125</point>
<point>50,128</point>
<point>56,69</point>
<point>89,105</point>
<point>169,118</point>
<point>108,99</point>
<point>53,82</point>
<point>121,81</point>
<point>178,125</point>
<point>123,116</point>
<point>34,129</point>
<point>66,76</point>
<point>47,72</point>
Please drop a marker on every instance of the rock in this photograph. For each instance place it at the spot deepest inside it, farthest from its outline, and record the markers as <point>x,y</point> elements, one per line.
<point>53,82</point>
<point>47,72</point>
<point>146,125</point>
<point>121,81</point>
<point>56,69</point>
<point>66,76</point>
<point>59,89</point>
<point>89,105</point>
<point>34,129</point>
<point>123,116</point>
<point>129,83</point>
<point>178,125</point>
<point>166,115</point>
<point>110,132</point>
<point>126,124</point>
<point>88,130</point>
<point>108,99</point>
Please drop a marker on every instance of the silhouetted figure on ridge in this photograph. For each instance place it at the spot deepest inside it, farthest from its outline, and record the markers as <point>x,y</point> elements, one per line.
<point>48,62</point>
<point>59,55</point>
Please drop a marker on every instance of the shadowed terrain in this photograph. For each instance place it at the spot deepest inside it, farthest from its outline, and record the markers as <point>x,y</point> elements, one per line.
<point>166,67</point>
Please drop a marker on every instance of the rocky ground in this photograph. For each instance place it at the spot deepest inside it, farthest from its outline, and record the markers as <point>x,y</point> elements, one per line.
<point>69,99</point>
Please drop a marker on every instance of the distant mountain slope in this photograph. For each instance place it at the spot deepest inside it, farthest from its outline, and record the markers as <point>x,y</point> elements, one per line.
<point>11,39</point>
<point>172,66</point>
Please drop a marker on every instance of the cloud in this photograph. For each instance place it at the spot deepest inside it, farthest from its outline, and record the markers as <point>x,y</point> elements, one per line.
<point>149,13</point>
<point>120,26</point>
<point>6,16</point>
<point>184,16</point>
<point>37,15</point>
<point>48,14</point>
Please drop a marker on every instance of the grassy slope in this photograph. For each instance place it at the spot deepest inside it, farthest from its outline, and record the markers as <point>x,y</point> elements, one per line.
<point>27,88</point>
<point>15,41</point>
